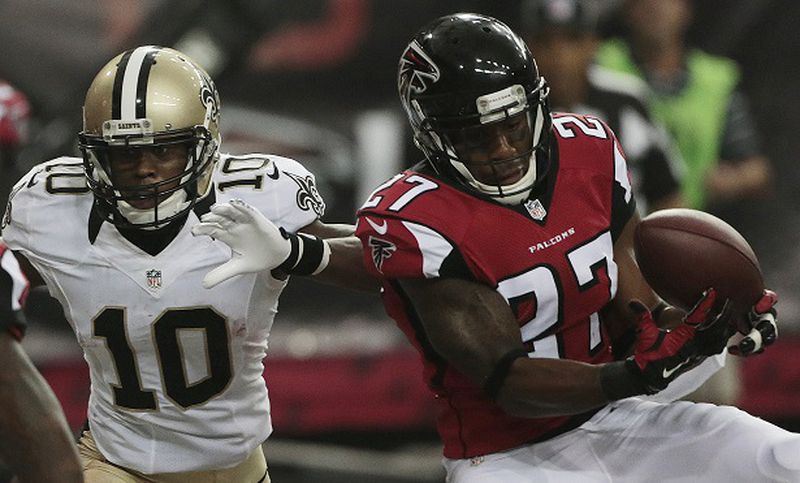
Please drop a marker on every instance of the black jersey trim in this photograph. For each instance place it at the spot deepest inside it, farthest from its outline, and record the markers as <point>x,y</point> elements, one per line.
<point>203,206</point>
<point>621,210</point>
<point>95,222</point>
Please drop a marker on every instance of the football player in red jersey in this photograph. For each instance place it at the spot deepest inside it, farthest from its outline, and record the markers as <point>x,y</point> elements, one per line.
<point>506,258</point>
<point>35,441</point>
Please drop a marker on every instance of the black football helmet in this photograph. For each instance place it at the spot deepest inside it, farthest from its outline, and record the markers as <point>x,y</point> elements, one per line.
<point>463,79</point>
<point>150,98</point>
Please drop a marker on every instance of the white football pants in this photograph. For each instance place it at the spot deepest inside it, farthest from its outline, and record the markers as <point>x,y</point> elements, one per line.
<point>635,441</point>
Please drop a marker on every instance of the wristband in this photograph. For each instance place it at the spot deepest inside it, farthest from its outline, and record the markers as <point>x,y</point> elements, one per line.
<point>308,255</point>
<point>621,379</point>
<point>498,376</point>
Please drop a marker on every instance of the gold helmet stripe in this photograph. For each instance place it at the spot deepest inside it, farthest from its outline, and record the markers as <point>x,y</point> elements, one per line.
<point>116,93</point>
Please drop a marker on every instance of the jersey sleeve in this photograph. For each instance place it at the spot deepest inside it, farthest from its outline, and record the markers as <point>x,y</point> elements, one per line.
<point>49,197</point>
<point>623,201</point>
<point>396,248</point>
<point>13,291</point>
<point>281,188</point>
<point>15,226</point>
<point>598,143</point>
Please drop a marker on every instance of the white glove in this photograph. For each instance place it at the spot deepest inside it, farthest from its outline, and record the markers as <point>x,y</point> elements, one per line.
<point>256,243</point>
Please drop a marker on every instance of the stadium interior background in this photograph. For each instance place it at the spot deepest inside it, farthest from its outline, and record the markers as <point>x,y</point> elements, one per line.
<point>315,80</point>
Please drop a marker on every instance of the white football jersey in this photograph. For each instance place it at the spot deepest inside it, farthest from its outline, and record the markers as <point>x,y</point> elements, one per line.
<point>176,369</point>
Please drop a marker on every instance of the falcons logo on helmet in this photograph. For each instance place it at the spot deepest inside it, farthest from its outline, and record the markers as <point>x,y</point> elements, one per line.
<point>381,251</point>
<point>416,69</point>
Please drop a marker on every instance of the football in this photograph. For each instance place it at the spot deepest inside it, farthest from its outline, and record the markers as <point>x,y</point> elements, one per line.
<point>682,252</point>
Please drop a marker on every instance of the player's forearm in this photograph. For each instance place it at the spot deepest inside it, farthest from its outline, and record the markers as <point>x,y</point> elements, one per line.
<point>346,266</point>
<point>538,388</point>
<point>36,441</point>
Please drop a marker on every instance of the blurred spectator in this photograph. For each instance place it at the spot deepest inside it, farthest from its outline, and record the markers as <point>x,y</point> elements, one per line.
<point>697,97</point>
<point>14,118</point>
<point>562,35</point>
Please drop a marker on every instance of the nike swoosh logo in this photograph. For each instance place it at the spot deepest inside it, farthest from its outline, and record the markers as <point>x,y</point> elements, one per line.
<point>33,181</point>
<point>380,229</point>
<point>275,174</point>
<point>669,372</point>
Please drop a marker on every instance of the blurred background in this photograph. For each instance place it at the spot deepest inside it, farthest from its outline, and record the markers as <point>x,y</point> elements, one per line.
<point>315,80</point>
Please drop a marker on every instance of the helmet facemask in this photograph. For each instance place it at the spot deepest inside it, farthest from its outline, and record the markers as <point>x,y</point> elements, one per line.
<point>469,148</point>
<point>170,198</point>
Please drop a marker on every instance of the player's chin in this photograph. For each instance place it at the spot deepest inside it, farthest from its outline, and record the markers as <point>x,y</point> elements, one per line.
<point>141,204</point>
<point>511,174</point>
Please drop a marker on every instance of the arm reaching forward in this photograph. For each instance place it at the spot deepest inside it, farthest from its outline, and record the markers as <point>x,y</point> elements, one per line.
<point>258,245</point>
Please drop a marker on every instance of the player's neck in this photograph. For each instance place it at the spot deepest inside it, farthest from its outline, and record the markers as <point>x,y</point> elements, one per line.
<point>153,242</point>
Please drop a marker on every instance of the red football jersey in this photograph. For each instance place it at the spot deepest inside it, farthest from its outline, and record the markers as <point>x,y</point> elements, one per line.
<point>551,259</point>
<point>13,292</point>
<point>14,115</point>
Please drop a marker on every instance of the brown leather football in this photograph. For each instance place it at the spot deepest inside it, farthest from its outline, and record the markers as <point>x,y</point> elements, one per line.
<point>682,252</point>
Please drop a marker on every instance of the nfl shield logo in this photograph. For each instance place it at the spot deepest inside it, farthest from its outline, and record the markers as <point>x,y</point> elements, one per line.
<point>154,279</point>
<point>536,209</point>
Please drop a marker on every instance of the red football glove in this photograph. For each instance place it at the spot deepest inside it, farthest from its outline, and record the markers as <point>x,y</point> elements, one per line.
<point>662,355</point>
<point>764,327</point>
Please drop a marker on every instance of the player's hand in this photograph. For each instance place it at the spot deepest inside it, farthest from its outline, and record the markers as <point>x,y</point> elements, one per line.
<point>763,320</point>
<point>256,243</point>
<point>661,355</point>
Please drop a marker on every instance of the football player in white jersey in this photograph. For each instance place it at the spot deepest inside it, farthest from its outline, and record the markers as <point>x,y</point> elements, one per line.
<point>177,392</point>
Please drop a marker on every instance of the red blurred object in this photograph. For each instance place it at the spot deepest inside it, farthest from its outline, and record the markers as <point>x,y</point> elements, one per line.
<point>379,392</point>
<point>69,379</point>
<point>771,381</point>
<point>385,391</point>
<point>15,114</point>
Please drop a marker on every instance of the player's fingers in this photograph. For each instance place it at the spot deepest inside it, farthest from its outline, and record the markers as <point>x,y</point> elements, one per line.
<point>721,321</point>
<point>701,309</point>
<point>766,302</point>
<point>750,344</point>
<point>231,211</point>
<point>647,332</point>
<point>206,228</point>
<point>757,339</point>
<point>245,210</point>
<point>768,328</point>
<point>640,311</point>
<point>223,221</point>
<point>223,272</point>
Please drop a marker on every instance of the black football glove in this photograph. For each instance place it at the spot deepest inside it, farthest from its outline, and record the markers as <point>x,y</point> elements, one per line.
<point>662,355</point>
<point>763,327</point>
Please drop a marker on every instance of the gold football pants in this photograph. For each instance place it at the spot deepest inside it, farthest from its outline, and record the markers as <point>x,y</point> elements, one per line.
<point>96,469</point>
